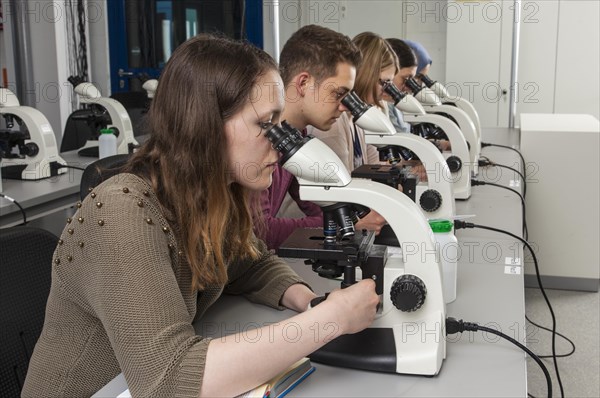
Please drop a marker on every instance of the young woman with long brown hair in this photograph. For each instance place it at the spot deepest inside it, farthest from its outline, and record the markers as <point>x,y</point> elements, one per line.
<point>150,249</point>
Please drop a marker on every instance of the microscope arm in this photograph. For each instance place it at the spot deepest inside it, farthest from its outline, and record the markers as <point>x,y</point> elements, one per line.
<point>461,180</point>
<point>459,102</point>
<point>120,119</point>
<point>439,175</point>
<point>468,129</point>
<point>469,109</point>
<point>89,94</point>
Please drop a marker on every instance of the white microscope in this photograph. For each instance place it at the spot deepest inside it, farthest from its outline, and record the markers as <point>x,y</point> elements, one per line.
<point>408,334</point>
<point>118,119</point>
<point>433,105</point>
<point>37,155</point>
<point>435,196</point>
<point>458,158</point>
<point>459,102</point>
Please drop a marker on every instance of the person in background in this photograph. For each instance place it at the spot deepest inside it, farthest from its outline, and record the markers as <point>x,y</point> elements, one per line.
<point>407,69</point>
<point>379,63</point>
<point>419,62</point>
<point>318,68</point>
<point>424,60</point>
<point>150,249</point>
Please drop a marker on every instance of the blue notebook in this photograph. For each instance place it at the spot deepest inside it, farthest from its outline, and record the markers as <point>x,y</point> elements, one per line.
<point>284,382</point>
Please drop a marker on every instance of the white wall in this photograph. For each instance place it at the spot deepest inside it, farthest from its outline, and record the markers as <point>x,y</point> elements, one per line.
<point>559,58</point>
<point>539,36</point>
<point>470,43</point>
<point>578,63</point>
<point>349,17</point>
<point>426,22</point>
<point>559,55</point>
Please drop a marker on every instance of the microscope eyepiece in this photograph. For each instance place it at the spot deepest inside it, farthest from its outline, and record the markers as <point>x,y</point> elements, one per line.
<point>413,85</point>
<point>355,105</point>
<point>427,80</point>
<point>390,89</point>
<point>285,139</point>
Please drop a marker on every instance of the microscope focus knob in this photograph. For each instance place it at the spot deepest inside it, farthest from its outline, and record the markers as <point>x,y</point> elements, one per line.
<point>31,149</point>
<point>408,293</point>
<point>430,200</point>
<point>454,163</point>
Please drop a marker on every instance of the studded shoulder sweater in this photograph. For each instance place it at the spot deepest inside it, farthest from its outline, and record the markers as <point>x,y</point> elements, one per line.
<point>122,301</point>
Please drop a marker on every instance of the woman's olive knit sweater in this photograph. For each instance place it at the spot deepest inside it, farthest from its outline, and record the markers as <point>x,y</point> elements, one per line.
<point>121,300</point>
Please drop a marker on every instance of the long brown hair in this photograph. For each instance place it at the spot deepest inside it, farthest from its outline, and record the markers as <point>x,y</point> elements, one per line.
<point>377,55</point>
<point>207,81</point>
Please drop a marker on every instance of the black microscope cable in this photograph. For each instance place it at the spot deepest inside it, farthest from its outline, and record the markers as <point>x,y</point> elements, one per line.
<point>17,204</point>
<point>459,224</point>
<point>486,144</point>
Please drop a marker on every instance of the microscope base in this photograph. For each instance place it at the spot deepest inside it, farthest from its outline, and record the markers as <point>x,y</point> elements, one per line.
<point>409,342</point>
<point>372,349</point>
<point>412,347</point>
<point>31,172</point>
<point>89,152</point>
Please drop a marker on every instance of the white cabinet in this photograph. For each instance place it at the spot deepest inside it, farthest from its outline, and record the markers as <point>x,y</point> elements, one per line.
<point>562,199</point>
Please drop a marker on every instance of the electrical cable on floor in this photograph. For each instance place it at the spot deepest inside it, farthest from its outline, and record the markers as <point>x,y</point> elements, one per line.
<point>17,204</point>
<point>558,334</point>
<point>459,224</point>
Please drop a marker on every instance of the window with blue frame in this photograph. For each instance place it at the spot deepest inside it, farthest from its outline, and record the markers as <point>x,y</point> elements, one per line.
<point>144,33</point>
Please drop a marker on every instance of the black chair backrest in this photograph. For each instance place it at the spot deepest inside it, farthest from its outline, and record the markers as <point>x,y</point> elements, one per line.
<point>25,275</point>
<point>100,170</point>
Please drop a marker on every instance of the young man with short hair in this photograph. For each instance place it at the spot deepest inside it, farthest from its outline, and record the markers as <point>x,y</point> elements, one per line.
<point>318,68</point>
